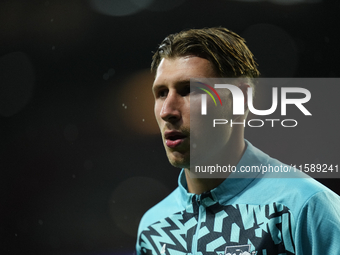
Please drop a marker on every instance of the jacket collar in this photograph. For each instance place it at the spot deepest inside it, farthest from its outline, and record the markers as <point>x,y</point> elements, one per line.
<point>234,184</point>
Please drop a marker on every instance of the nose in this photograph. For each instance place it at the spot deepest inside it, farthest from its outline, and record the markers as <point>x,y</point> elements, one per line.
<point>170,111</point>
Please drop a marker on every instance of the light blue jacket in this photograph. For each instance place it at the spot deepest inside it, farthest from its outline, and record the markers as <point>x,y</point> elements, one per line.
<point>263,214</point>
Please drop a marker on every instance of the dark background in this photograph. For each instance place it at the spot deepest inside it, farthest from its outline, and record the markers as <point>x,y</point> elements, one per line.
<point>81,158</point>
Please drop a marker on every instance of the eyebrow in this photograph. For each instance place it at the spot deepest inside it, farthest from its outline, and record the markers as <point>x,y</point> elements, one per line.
<point>179,83</point>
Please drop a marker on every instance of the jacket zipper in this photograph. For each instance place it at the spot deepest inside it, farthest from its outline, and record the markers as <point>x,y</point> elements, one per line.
<point>195,237</point>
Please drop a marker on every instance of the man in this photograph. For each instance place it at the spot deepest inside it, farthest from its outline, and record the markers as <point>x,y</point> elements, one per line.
<point>226,215</point>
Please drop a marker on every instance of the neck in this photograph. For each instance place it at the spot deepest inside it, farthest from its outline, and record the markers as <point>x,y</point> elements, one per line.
<point>233,154</point>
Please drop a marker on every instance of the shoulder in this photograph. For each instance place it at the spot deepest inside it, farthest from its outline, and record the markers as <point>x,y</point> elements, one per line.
<point>168,206</point>
<point>175,202</point>
<point>294,192</point>
<point>318,224</point>
<point>281,183</point>
<point>314,210</point>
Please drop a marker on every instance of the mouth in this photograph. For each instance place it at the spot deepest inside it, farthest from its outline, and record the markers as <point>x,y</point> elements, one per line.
<point>174,138</point>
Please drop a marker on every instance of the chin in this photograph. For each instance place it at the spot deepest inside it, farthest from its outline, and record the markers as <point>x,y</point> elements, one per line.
<point>179,162</point>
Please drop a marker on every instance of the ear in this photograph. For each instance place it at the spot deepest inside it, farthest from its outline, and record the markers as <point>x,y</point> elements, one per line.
<point>244,87</point>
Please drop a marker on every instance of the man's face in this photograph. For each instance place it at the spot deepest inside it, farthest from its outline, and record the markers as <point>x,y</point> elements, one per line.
<point>171,90</point>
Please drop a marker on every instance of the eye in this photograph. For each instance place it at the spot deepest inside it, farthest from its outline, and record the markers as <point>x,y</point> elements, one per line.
<point>162,93</point>
<point>185,90</point>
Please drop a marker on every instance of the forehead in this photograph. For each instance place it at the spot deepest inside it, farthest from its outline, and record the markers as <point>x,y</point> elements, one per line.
<point>173,70</point>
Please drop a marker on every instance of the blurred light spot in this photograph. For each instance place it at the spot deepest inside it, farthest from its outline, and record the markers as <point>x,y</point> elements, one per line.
<point>159,5</point>
<point>134,102</point>
<point>119,7</point>
<point>110,73</point>
<point>132,198</point>
<point>71,132</point>
<point>274,49</point>
<point>17,79</point>
<point>40,222</point>
<point>106,76</point>
<point>51,20</point>
<point>53,47</point>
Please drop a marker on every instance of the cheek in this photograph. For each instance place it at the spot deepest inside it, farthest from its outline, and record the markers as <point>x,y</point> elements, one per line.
<point>226,111</point>
<point>157,111</point>
<point>195,105</point>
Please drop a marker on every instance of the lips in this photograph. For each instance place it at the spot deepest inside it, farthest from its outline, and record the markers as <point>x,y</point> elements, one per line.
<point>174,138</point>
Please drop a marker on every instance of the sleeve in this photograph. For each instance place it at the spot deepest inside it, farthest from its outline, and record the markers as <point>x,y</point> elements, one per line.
<point>318,225</point>
<point>138,248</point>
<point>141,227</point>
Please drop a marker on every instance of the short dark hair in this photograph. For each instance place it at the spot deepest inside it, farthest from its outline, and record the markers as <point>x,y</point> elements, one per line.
<point>225,49</point>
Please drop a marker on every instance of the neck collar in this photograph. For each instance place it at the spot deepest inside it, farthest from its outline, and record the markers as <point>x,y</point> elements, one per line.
<point>234,184</point>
